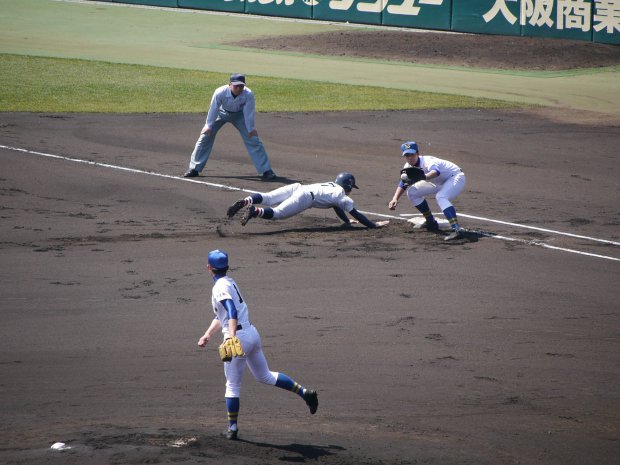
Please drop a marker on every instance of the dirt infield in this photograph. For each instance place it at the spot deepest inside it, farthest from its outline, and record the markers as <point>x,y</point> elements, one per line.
<point>469,50</point>
<point>497,349</point>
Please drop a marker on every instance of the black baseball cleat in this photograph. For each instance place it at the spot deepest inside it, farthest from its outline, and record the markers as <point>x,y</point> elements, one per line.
<point>231,434</point>
<point>456,234</point>
<point>268,175</point>
<point>312,401</point>
<point>235,207</point>
<point>248,215</point>
<point>428,225</point>
<point>191,174</point>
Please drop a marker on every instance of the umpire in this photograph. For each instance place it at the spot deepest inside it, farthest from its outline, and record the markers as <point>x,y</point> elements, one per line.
<point>232,103</point>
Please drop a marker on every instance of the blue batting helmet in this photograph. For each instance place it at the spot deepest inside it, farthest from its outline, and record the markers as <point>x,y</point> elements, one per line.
<point>346,181</point>
<point>218,259</point>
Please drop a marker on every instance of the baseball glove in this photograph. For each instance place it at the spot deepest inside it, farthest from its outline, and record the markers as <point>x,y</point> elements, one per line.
<point>412,175</point>
<point>230,348</point>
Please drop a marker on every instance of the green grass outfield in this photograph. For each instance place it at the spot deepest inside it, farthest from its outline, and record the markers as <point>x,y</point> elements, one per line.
<point>69,85</point>
<point>192,40</point>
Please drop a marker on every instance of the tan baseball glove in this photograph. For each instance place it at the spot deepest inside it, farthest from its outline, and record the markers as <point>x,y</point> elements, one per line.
<point>230,348</point>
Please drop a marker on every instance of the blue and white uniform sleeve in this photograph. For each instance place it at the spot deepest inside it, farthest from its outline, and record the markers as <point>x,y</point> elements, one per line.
<point>434,167</point>
<point>230,309</point>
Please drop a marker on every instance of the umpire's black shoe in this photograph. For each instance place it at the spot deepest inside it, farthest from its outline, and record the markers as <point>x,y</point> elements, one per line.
<point>235,207</point>
<point>312,400</point>
<point>248,215</point>
<point>231,434</point>
<point>268,175</point>
<point>191,174</point>
<point>456,234</point>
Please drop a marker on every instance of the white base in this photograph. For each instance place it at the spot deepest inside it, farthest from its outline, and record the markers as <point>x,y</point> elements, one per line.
<point>419,221</point>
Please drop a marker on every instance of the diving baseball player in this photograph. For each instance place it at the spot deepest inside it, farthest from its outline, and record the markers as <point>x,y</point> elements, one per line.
<point>295,198</point>
<point>425,175</point>
<point>242,343</point>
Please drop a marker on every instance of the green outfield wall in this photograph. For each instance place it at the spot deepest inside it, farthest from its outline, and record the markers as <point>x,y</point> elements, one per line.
<point>590,20</point>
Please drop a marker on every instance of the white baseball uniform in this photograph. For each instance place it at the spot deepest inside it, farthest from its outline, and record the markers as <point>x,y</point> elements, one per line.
<point>448,185</point>
<point>295,198</point>
<point>226,288</point>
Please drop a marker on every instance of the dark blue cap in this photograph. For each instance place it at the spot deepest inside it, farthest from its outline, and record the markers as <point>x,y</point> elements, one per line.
<point>218,259</point>
<point>237,79</point>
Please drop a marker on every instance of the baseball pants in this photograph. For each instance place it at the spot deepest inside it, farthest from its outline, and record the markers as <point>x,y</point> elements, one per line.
<point>292,199</point>
<point>254,145</point>
<point>254,359</point>
<point>444,192</point>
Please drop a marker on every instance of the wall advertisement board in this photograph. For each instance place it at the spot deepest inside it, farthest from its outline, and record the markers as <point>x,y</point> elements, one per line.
<point>591,20</point>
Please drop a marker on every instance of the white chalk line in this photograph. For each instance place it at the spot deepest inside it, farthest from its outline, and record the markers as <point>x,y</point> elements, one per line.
<point>535,228</point>
<point>401,217</point>
<point>123,168</point>
<point>521,241</point>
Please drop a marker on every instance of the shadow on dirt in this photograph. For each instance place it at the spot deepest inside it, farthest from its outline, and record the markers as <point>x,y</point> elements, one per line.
<point>302,452</point>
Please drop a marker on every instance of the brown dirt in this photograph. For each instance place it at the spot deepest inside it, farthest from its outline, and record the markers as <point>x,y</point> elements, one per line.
<point>481,352</point>
<point>480,51</point>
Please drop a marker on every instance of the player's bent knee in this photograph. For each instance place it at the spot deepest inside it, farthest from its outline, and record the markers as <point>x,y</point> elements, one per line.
<point>414,196</point>
<point>416,200</point>
<point>267,378</point>
<point>443,203</point>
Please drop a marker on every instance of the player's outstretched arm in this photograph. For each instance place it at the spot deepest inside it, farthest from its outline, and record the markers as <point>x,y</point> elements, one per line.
<point>365,221</point>
<point>342,215</point>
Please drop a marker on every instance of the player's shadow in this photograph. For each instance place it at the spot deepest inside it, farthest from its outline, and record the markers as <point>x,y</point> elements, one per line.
<point>471,235</point>
<point>299,453</point>
<point>468,235</point>
<point>313,229</point>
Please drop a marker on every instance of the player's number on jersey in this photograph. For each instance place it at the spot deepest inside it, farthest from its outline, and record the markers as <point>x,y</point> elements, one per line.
<point>238,294</point>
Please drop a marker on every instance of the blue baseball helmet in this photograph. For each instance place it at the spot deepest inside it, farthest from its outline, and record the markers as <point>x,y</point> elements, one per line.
<point>218,259</point>
<point>409,148</point>
<point>346,181</point>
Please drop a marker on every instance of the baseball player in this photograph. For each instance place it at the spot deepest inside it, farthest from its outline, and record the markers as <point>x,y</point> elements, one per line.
<point>295,198</point>
<point>232,103</point>
<point>232,318</point>
<point>425,175</point>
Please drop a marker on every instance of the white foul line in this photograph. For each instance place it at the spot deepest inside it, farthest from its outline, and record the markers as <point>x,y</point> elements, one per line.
<point>576,236</point>
<point>123,168</point>
<point>222,186</point>
<point>522,241</point>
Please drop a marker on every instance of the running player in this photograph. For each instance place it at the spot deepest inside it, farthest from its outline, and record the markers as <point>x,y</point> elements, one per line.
<point>232,318</point>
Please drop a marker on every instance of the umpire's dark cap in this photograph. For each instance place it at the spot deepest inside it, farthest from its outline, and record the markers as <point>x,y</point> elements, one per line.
<point>218,259</point>
<point>237,79</point>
